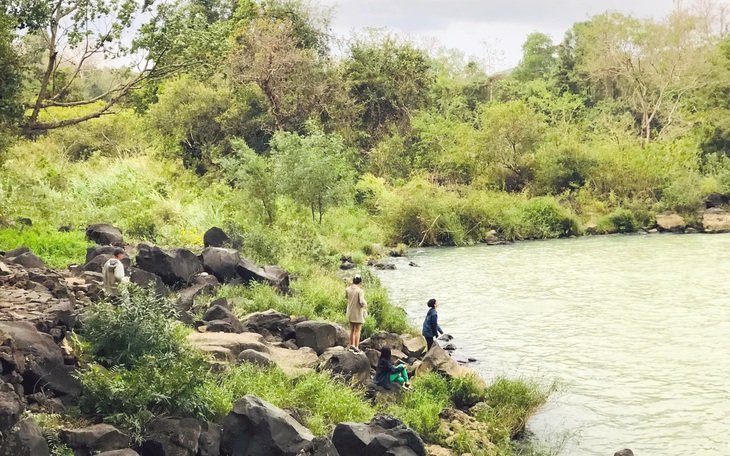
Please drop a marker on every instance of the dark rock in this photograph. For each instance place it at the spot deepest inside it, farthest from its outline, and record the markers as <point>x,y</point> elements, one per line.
<point>472,360</point>
<point>93,439</point>
<point>446,337</point>
<point>148,280</point>
<point>65,229</point>
<point>255,427</point>
<point>205,279</point>
<point>209,443</point>
<point>383,339</point>
<point>223,264</point>
<point>715,200</point>
<point>624,452</point>
<point>278,278</point>
<point>124,452</point>
<point>176,268</point>
<point>352,368</point>
<point>352,438</point>
<point>215,237</point>
<point>44,362</point>
<point>186,297</point>
<point>97,263</point>
<point>16,252</point>
<point>172,437</point>
<point>413,264</point>
<point>25,440</point>
<point>450,346</point>
<point>220,326</point>
<point>384,266</point>
<point>255,357</point>
<point>103,234</point>
<point>346,265</point>
<point>383,435</point>
<point>62,314</point>
<point>25,221</point>
<point>274,322</point>
<point>250,272</point>
<point>96,250</point>
<point>28,260</point>
<point>218,312</point>
<point>316,335</point>
<point>321,446</point>
<point>11,408</point>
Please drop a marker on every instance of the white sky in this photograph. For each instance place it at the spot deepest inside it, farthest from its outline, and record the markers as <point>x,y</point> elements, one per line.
<point>488,29</point>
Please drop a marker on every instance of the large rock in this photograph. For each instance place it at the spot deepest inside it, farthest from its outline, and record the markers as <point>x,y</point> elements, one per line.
<point>413,346</point>
<point>437,360</point>
<point>215,237</point>
<point>255,427</point>
<point>715,200</point>
<point>209,443</point>
<point>27,259</point>
<point>44,361</point>
<point>716,220</point>
<point>624,452</point>
<point>96,264</point>
<point>176,268</point>
<point>172,437</point>
<point>270,322</point>
<point>383,339</point>
<point>352,368</point>
<point>255,357</point>
<point>94,439</point>
<point>104,234</point>
<point>25,440</point>
<point>274,276</point>
<point>383,435</point>
<point>317,335</point>
<point>224,264</point>
<point>148,280</point>
<point>278,278</point>
<point>670,221</point>
<point>221,313</point>
<point>96,250</point>
<point>11,407</point>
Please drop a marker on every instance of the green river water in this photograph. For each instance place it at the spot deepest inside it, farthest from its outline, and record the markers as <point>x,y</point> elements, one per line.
<point>634,328</point>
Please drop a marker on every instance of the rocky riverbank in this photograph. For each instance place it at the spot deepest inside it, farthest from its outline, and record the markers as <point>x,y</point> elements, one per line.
<point>40,309</point>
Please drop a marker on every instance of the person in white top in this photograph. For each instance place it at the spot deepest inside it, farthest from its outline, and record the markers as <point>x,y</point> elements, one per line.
<point>113,272</point>
<point>356,311</point>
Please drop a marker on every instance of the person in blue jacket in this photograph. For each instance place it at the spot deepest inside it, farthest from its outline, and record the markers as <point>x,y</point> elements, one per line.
<point>431,326</point>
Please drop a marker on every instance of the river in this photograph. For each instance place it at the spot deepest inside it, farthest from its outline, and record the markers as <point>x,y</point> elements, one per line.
<point>634,328</point>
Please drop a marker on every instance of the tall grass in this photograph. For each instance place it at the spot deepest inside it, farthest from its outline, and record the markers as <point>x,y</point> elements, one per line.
<point>57,249</point>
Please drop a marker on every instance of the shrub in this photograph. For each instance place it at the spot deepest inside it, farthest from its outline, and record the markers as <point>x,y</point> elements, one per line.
<point>618,221</point>
<point>542,218</point>
<point>57,249</point>
<point>139,327</point>
<point>420,408</point>
<point>466,391</point>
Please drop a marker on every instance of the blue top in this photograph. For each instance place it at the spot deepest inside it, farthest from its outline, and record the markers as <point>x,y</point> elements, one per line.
<point>431,326</point>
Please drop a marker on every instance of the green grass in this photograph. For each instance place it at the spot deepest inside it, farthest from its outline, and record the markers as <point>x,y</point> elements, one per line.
<point>57,249</point>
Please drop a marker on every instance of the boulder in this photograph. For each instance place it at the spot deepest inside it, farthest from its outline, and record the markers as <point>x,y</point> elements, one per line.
<point>670,221</point>
<point>28,260</point>
<point>215,237</point>
<point>94,439</point>
<point>255,427</point>
<point>413,346</point>
<point>624,452</point>
<point>44,362</point>
<point>715,200</point>
<point>271,321</point>
<point>11,407</point>
<point>148,280</point>
<point>250,272</point>
<point>352,368</point>
<point>124,452</point>
<point>172,437</point>
<point>25,440</point>
<point>176,268</point>
<point>223,264</point>
<point>255,357</point>
<point>96,250</point>
<point>278,277</point>
<point>186,297</point>
<point>437,360</point>
<point>383,339</point>
<point>219,326</point>
<point>716,220</point>
<point>104,234</point>
<point>316,335</point>
<point>221,313</point>
<point>96,264</point>
<point>383,435</point>
<point>209,443</point>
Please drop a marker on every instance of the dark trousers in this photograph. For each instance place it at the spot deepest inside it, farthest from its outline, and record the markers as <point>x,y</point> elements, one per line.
<point>429,342</point>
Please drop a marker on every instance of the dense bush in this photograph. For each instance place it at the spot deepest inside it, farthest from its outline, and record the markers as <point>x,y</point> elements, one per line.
<point>618,221</point>
<point>57,249</point>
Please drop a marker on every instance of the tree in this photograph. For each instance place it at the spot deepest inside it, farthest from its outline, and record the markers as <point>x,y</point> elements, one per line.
<point>513,131</point>
<point>387,79</point>
<point>312,170</point>
<point>653,65</point>
<point>292,78</point>
<point>252,173</point>
<point>172,37</point>
<point>538,58</point>
<point>11,81</point>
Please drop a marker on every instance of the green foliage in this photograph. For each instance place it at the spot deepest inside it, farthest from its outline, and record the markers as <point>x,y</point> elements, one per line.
<point>511,403</point>
<point>466,391</point>
<point>543,218</point>
<point>57,249</point>
<point>618,221</point>
<point>312,170</point>
<point>538,58</point>
<point>420,408</point>
<point>137,328</point>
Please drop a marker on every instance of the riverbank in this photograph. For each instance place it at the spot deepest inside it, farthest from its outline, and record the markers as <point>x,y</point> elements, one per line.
<point>234,344</point>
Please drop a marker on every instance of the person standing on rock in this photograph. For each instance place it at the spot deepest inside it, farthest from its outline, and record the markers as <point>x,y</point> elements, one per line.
<point>356,311</point>
<point>431,326</point>
<point>113,272</point>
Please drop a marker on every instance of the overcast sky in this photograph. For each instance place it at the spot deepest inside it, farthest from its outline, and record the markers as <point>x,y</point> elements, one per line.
<point>469,24</point>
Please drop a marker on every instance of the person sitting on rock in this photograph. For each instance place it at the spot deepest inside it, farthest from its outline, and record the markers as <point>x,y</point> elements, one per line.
<point>113,272</point>
<point>386,373</point>
<point>431,326</point>
<point>356,311</point>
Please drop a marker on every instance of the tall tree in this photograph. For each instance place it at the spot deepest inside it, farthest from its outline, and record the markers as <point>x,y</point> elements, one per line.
<point>10,73</point>
<point>538,58</point>
<point>166,38</point>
